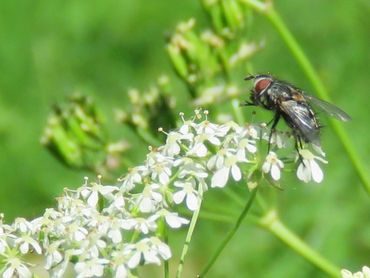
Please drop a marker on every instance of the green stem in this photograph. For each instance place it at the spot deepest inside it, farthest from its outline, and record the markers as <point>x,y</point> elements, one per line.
<point>272,223</point>
<point>308,69</point>
<point>166,265</point>
<point>189,236</point>
<point>230,234</point>
<point>234,196</point>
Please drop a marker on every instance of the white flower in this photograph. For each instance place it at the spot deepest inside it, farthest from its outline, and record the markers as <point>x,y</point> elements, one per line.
<point>189,167</point>
<point>163,250</point>
<point>149,249</point>
<point>4,235</point>
<point>133,177</point>
<point>246,145</point>
<point>309,169</point>
<point>76,232</point>
<point>22,225</point>
<point>14,267</point>
<point>118,262</point>
<point>173,219</point>
<point>114,230</point>
<point>91,268</point>
<point>207,132</point>
<point>187,126</point>
<point>273,165</point>
<point>365,273</point>
<point>141,224</point>
<point>53,256</point>
<point>25,241</point>
<point>225,162</point>
<point>91,193</point>
<point>187,193</point>
<point>173,141</point>
<point>275,139</point>
<point>160,167</point>
<point>139,250</point>
<point>149,198</point>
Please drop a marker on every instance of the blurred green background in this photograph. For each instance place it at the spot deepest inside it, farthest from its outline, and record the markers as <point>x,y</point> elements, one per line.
<point>51,49</point>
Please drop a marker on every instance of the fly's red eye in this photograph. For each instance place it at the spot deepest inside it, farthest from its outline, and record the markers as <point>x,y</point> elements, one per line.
<point>261,85</point>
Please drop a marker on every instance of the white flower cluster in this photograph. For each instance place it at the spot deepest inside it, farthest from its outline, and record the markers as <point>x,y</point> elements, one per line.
<point>365,273</point>
<point>114,229</point>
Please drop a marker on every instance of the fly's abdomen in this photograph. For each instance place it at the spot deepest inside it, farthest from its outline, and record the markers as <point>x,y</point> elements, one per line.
<point>301,118</point>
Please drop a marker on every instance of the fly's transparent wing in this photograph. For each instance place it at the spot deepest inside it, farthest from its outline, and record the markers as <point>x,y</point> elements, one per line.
<point>301,118</point>
<point>329,108</point>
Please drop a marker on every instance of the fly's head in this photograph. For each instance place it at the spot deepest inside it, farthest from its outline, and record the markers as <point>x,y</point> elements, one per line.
<point>260,86</point>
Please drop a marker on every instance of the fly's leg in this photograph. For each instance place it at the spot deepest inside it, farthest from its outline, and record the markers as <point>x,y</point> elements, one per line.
<point>247,103</point>
<point>298,146</point>
<point>275,121</point>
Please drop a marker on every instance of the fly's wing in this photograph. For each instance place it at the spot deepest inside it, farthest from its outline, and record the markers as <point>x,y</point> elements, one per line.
<point>301,118</point>
<point>329,108</point>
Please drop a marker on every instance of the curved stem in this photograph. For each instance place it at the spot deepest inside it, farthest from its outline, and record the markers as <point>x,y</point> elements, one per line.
<point>302,60</point>
<point>188,236</point>
<point>272,223</point>
<point>230,234</point>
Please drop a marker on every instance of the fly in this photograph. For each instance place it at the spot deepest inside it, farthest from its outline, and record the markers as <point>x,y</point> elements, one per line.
<point>293,105</point>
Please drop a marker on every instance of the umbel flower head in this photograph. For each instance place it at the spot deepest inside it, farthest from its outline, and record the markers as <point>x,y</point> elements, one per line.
<point>117,228</point>
<point>364,273</point>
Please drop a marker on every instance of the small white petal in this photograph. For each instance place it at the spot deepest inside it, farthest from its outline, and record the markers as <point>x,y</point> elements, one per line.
<point>303,173</point>
<point>175,149</point>
<point>115,235</point>
<point>317,174</point>
<point>346,274</point>
<point>214,141</point>
<point>36,247</point>
<point>266,167</point>
<point>146,205</point>
<point>192,202</point>
<point>251,148</point>
<point>178,197</point>
<point>184,129</point>
<point>134,260</point>
<point>275,172</point>
<point>235,171</point>
<point>164,251</point>
<point>93,199</point>
<point>24,272</point>
<point>79,236</point>
<point>8,273</point>
<point>107,189</point>
<point>151,257</point>
<point>201,150</point>
<point>175,221</point>
<point>241,155</point>
<point>164,178</point>
<point>24,248</point>
<point>212,162</point>
<point>220,161</point>
<point>220,178</point>
<point>121,272</point>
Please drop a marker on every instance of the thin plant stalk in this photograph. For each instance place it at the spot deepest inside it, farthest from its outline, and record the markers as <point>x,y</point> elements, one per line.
<point>230,234</point>
<point>302,60</point>
<point>272,223</point>
<point>189,235</point>
<point>166,264</point>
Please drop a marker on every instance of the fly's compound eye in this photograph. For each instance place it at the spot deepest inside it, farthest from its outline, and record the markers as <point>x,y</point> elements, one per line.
<point>261,85</point>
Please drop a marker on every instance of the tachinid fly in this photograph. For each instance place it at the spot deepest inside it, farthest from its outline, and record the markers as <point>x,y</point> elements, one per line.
<point>293,105</point>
